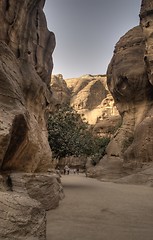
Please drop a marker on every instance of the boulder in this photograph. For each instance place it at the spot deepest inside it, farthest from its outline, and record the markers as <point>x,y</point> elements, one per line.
<point>24,200</point>
<point>21,218</point>
<point>143,177</point>
<point>46,188</point>
<point>107,169</point>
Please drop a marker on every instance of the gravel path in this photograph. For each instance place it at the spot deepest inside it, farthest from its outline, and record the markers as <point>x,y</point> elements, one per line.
<point>94,210</point>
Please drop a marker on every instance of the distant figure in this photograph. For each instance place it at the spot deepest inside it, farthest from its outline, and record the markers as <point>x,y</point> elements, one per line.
<point>66,170</point>
<point>77,170</point>
<point>58,171</point>
<point>9,183</point>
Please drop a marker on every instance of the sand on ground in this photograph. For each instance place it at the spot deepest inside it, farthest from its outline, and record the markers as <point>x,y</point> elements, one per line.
<point>94,210</point>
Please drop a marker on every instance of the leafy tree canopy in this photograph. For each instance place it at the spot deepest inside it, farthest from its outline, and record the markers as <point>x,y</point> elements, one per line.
<point>69,135</point>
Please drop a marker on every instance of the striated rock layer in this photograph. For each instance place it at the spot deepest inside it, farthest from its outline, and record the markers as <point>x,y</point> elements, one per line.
<point>26,46</point>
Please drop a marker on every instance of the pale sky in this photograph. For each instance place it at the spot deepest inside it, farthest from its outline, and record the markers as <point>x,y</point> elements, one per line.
<point>86,32</point>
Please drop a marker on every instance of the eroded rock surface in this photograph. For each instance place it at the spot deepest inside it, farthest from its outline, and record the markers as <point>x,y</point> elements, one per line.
<point>90,98</point>
<point>21,218</point>
<point>24,199</point>
<point>61,92</point>
<point>46,188</point>
<point>26,46</point>
<point>130,82</point>
<point>88,95</point>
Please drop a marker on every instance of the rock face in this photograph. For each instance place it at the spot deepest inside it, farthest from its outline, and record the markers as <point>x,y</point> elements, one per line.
<point>146,17</point>
<point>25,67</point>
<point>130,82</point>
<point>45,188</point>
<point>26,46</point>
<point>23,203</point>
<point>61,92</point>
<point>88,95</point>
<point>91,98</point>
<point>21,218</point>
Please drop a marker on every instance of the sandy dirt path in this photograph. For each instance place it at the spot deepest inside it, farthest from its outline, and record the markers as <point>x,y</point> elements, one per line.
<point>94,210</point>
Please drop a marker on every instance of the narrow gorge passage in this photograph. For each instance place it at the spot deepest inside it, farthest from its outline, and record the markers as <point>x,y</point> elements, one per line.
<point>94,210</point>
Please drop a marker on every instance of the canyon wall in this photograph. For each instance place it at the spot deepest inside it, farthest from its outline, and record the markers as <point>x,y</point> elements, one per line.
<point>130,81</point>
<point>90,97</point>
<point>26,48</point>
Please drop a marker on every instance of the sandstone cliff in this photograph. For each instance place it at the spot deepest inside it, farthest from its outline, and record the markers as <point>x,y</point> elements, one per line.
<point>26,46</point>
<point>90,97</point>
<point>25,67</point>
<point>130,82</point>
<point>60,90</point>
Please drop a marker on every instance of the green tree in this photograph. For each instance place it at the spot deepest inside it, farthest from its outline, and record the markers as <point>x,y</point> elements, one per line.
<point>69,135</point>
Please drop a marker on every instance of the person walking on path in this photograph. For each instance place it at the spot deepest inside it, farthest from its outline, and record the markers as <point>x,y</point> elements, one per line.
<point>66,170</point>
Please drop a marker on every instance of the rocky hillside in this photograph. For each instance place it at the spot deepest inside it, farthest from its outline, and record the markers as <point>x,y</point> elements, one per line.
<point>90,97</point>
